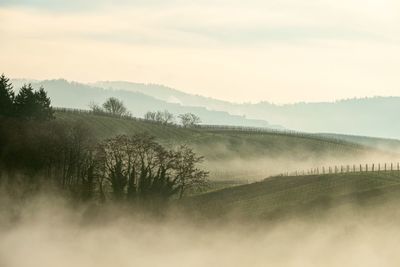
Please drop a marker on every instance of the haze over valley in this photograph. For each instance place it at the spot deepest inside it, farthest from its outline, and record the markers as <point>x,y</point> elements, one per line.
<point>199,133</point>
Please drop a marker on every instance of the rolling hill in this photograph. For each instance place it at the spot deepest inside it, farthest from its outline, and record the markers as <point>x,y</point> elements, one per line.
<point>243,155</point>
<point>305,196</point>
<point>239,160</point>
<point>387,144</point>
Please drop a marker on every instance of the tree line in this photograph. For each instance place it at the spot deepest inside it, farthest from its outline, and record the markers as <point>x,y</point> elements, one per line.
<point>27,104</point>
<point>38,150</point>
<point>116,107</point>
<point>165,117</point>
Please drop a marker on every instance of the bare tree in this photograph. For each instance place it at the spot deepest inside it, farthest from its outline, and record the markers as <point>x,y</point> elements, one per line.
<point>164,117</point>
<point>139,168</point>
<point>150,115</point>
<point>95,108</point>
<point>116,155</point>
<point>188,176</point>
<point>115,106</point>
<point>189,119</point>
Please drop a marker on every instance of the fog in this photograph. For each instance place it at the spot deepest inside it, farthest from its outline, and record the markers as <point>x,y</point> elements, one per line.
<point>249,161</point>
<point>248,169</point>
<point>47,231</point>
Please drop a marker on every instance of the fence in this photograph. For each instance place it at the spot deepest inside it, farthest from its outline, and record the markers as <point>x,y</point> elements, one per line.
<point>225,128</point>
<point>342,169</point>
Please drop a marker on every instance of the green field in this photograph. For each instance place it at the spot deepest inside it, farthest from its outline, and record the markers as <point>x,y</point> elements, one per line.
<point>299,195</point>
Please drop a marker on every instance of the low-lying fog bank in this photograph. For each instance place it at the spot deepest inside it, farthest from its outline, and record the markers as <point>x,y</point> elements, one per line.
<point>256,169</point>
<point>48,232</point>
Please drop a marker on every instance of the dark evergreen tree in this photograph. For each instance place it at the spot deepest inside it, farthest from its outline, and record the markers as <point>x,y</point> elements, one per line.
<point>25,102</point>
<point>44,111</point>
<point>33,105</point>
<point>6,96</point>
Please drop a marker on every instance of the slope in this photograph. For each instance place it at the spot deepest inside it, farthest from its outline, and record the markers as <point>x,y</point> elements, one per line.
<point>302,195</point>
<point>235,154</point>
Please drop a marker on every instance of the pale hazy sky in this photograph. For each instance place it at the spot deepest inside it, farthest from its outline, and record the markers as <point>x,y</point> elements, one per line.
<point>274,50</point>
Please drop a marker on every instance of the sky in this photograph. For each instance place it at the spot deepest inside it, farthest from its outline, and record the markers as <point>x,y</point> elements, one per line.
<point>280,51</point>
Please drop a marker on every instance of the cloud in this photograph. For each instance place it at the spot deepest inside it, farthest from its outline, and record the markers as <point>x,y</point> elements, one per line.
<point>280,51</point>
<point>232,22</point>
<point>78,5</point>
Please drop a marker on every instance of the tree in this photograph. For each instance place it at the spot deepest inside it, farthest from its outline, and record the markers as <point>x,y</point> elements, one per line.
<point>6,96</point>
<point>189,176</point>
<point>150,115</point>
<point>115,106</point>
<point>60,153</point>
<point>30,104</point>
<point>189,119</point>
<point>164,117</point>
<point>25,102</point>
<point>139,168</point>
<point>116,158</point>
<point>43,108</point>
<point>95,108</point>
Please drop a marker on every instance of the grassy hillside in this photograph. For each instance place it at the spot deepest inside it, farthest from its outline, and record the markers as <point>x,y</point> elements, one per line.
<point>301,195</point>
<point>230,154</point>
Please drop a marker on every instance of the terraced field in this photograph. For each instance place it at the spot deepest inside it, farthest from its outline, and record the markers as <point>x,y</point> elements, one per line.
<point>305,195</point>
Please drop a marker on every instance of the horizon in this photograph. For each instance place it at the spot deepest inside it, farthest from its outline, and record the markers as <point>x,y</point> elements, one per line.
<point>93,83</point>
<point>284,52</point>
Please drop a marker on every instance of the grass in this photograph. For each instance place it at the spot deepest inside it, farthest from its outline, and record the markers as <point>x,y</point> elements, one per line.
<point>236,142</point>
<point>280,196</point>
